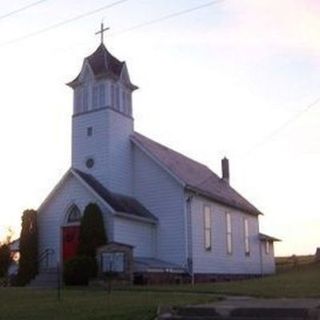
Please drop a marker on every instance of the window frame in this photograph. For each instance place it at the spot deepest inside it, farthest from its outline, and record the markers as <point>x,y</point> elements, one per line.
<point>246,237</point>
<point>73,209</point>
<point>95,97</point>
<point>207,224</point>
<point>267,247</point>
<point>229,240</point>
<point>89,131</point>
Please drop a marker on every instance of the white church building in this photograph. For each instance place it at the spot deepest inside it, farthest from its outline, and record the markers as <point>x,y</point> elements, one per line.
<point>174,214</point>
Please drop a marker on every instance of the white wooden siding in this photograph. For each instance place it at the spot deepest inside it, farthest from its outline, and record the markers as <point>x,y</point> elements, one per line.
<point>109,146</point>
<point>140,235</point>
<point>268,261</point>
<point>217,260</point>
<point>52,216</point>
<point>164,197</point>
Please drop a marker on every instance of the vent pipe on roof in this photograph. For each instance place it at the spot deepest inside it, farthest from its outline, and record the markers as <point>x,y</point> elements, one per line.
<point>225,169</point>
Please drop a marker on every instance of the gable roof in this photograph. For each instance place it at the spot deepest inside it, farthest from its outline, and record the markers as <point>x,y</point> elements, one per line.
<point>103,64</point>
<point>194,175</point>
<point>118,202</point>
<point>265,237</point>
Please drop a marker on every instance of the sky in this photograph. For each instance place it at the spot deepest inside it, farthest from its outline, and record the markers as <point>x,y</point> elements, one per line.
<point>235,78</point>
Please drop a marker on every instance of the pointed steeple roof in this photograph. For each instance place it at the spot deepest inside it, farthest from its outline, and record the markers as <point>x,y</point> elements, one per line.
<point>103,64</point>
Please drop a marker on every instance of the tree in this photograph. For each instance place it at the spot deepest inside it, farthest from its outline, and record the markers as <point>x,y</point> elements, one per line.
<point>5,254</point>
<point>28,264</point>
<point>92,231</point>
<point>5,259</point>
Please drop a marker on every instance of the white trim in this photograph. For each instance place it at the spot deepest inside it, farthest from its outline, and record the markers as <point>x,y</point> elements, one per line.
<point>156,160</point>
<point>91,190</point>
<point>134,217</point>
<point>87,186</point>
<point>115,213</point>
<point>56,187</point>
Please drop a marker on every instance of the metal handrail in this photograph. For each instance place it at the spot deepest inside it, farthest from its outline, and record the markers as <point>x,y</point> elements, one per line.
<point>45,254</point>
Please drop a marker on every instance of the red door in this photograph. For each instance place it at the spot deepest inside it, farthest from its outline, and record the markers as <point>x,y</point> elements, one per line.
<point>70,241</point>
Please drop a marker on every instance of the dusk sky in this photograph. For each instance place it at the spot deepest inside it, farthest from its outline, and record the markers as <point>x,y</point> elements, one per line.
<point>235,78</point>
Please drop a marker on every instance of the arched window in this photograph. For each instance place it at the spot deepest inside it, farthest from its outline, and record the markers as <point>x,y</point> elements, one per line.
<point>74,214</point>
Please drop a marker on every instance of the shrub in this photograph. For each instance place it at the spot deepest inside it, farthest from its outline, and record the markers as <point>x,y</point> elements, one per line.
<point>78,270</point>
<point>28,263</point>
<point>92,232</point>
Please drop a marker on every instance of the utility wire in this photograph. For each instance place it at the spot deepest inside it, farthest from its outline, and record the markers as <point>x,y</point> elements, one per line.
<point>11,13</point>
<point>167,17</point>
<point>62,23</point>
<point>284,125</point>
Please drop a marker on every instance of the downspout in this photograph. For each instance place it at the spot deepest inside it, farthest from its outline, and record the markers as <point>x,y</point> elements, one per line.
<point>188,236</point>
<point>260,252</point>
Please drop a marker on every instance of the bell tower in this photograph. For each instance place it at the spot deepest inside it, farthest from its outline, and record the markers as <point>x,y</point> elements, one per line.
<point>102,120</point>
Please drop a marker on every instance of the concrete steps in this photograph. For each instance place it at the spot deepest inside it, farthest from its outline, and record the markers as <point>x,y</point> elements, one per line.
<point>47,278</point>
<point>212,313</point>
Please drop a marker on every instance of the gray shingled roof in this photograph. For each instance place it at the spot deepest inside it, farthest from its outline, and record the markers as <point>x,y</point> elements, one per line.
<point>119,202</point>
<point>103,64</point>
<point>196,176</point>
<point>265,237</point>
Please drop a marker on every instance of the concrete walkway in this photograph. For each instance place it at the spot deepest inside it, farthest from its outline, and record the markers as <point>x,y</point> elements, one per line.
<point>240,308</point>
<point>232,302</point>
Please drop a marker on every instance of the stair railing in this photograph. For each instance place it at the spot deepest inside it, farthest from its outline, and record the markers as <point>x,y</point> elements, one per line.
<point>44,257</point>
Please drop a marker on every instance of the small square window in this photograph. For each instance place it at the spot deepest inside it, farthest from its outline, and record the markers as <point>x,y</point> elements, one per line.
<point>89,131</point>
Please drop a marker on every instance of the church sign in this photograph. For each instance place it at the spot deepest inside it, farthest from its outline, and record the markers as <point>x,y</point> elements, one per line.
<point>116,258</point>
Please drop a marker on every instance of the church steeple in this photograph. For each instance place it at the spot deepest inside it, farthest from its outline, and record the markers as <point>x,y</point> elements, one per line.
<point>103,82</point>
<point>102,120</point>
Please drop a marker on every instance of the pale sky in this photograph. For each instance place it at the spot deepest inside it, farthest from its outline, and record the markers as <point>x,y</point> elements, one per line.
<point>238,78</point>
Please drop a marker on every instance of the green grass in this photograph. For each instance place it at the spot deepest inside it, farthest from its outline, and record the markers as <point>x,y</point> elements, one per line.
<point>300,282</point>
<point>140,303</point>
<point>26,303</point>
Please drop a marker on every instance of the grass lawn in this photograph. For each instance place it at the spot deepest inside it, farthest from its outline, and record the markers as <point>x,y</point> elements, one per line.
<point>302,281</point>
<point>26,303</point>
<point>139,303</point>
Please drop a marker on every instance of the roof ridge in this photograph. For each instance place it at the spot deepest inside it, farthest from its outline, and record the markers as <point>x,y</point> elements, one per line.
<point>195,175</point>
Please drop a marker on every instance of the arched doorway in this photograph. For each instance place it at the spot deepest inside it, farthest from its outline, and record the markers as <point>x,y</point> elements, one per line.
<point>70,233</point>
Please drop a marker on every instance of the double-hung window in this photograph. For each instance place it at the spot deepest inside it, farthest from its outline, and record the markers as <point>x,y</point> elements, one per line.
<point>267,247</point>
<point>229,233</point>
<point>246,237</point>
<point>207,228</point>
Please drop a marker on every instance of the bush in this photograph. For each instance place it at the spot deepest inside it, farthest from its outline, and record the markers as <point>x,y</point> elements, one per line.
<point>78,270</point>
<point>28,263</point>
<point>92,232</point>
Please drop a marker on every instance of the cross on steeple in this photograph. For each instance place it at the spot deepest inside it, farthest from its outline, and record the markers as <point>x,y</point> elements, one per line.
<point>102,30</point>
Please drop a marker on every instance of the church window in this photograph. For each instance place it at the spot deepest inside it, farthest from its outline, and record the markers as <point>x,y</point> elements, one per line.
<point>102,95</point>
<point>112,96</point>
<point>89,131</point>
<point>207,228</point>
<point>229,233</point>
<point>267,247</point>
<point>78,100</point>
<point>85,99</point>
<point>129,103</point>
<point>74,214</point>
<point>89,163</point>
<point>117,97</point>
<point>246,237</point>
<point>124,103</point>
<point>95,97</point>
